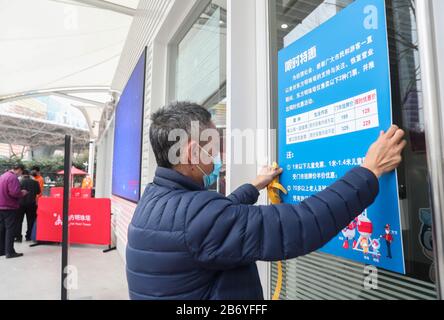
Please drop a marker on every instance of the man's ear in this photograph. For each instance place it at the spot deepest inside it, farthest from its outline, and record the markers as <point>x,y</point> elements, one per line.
<point>193,151</point>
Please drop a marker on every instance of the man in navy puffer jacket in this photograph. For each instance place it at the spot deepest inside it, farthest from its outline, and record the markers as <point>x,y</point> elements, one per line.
<point>187,243</point>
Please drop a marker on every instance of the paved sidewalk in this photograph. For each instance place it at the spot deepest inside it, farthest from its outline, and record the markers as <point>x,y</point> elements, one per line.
<point>101,276</point>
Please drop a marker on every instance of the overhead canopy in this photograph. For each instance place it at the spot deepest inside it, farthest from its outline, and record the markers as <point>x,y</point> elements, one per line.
<point>63,48</point>
<point>28,132</point>
<point>74,172</point>
<point>46,44</point>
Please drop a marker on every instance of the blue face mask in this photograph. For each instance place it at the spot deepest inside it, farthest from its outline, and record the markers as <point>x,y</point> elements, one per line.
<point>210,179</point>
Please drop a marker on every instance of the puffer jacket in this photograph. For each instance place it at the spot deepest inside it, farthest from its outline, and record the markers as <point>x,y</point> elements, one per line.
<point>190,244</point>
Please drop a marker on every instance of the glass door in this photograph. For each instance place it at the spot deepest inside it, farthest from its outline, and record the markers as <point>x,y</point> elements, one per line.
<point>197,57</point>
<point>319,276</point>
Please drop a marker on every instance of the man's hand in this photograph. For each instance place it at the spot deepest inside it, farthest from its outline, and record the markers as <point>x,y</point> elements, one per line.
<point>266,176</point>
<point>384,155</point>
<point>24,193</point>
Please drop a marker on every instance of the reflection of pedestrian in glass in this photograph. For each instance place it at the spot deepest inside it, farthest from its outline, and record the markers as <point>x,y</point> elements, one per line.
<point>388,237</point>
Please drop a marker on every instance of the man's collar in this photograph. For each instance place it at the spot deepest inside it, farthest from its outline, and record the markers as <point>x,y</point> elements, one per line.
<point>171,178</point>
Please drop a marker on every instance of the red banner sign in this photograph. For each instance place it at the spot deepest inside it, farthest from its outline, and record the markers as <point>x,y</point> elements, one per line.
<point>56,193</point>
<point>81,193</point>
<point>75,193</point>
<point>89,221</point>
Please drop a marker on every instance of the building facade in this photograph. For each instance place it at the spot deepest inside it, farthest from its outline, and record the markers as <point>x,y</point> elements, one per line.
<point>223,54</point>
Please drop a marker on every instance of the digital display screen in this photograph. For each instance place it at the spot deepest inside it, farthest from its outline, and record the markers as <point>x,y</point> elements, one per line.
<point>128,136</point>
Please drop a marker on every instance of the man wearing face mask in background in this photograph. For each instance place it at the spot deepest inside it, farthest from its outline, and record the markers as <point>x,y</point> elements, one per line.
<point>187,243</point>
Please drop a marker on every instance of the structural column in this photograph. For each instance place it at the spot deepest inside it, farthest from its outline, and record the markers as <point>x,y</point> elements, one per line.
<point>428,19</point>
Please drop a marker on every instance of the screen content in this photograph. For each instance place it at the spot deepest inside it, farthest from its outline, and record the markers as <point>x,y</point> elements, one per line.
<point>128,136</point>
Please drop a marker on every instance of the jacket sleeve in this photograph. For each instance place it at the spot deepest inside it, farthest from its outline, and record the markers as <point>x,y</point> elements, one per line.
<point>14,188</point>
<point>246,194</point>
<point>222,234</point>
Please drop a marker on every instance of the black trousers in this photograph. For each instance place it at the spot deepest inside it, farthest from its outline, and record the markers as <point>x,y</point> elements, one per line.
<point>389,249</point>
<point>8,226</point>
<point>30,211</point>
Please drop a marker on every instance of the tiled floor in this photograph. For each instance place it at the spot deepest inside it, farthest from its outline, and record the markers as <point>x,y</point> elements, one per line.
<point>100,276</point>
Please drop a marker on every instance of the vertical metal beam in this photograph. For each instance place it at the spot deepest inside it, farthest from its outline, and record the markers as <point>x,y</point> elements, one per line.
<point>266,152</point>
<point>248,71</point>
<point>65,230</point>
<point>434,128</point>
<point>241,78</point>
<point>92,157</point>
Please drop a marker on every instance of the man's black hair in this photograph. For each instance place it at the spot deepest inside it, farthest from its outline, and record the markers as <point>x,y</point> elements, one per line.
<point>177,115</point>
<point>35,168</point>
<point>19,166</point>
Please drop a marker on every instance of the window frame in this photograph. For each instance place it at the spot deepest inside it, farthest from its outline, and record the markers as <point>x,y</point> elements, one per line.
<point>172,51</point>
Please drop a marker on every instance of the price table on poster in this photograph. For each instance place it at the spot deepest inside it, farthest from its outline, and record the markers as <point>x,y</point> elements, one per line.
<point>347,116</point>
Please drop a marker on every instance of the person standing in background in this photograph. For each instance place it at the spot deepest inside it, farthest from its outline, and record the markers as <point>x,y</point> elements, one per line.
<point>87,182</point>
<point>10,194</point>
<point>35,172</point>
<point>28,206</point>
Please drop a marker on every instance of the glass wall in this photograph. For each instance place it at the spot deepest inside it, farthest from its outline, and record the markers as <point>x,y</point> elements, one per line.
<point>319,276</point>
<point>198,65</point>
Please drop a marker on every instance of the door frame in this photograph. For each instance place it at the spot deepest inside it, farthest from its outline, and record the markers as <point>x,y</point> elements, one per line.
<point>428,19</point>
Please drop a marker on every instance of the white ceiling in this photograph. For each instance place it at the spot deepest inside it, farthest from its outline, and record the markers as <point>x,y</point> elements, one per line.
<point>50,45</point>
<point>47,44</point>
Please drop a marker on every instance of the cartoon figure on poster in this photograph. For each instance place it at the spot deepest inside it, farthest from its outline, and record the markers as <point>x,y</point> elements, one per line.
<point>366,243</point>
<point>388,237</point>
<point>349,234</point>
<point>376,245</point>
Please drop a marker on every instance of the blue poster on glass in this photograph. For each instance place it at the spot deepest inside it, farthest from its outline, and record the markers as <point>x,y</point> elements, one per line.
<point>334,99</point>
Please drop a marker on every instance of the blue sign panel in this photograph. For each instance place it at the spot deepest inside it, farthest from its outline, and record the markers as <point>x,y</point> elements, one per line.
<point>334,99</point>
